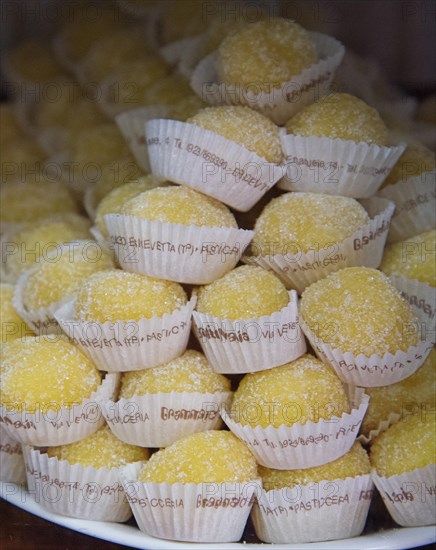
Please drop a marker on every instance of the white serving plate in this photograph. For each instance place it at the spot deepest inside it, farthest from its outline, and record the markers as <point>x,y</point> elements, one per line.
<point>128,535</point>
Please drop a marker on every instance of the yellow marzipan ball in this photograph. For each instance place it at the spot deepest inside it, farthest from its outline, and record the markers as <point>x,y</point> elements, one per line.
<point>12,325</point>
<point>34,61</point>
<point>213,456</point>
<point>246,292</point>
<point>246,127</point>
<point>168,90</point>
<point>45,374</point>
<point>301,391</point>
<point>358,310</point>
<point>98,145</point>
<point>185,108</point>
<point>102,449</point>
<point>188,373</point>
<point>414,161</point>
<point>117,295</point>
<point>115,174</point>
<point>340,116</point>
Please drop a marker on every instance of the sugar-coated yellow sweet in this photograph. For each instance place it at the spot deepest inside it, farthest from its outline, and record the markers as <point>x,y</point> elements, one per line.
<point>53,107</point>
<point>12,326</point>
<point>98,145</point>
<point>405,446</point>
<point>415,160</point>
<point>246,292</point>
<point>20,158</point>
<point>190,372</point>
<point>413,258</point>
<point>340,116</point>
<point>415,393</point>
<point>265,54</point>
<point>111,51</point>
<point>179,204</point>
<point>300,391</point>
<point>102,449</point>
<point>299,222</point>
<point>9,128</point>
<point>34,61</point>
<point>185,108</point>
<point>115,174</point>
<point>29,202</point>
<point>241,124</point>
<point>212,456</point>
<point>133,80</point>
<point>113,202</point>
<point>219,28</point>
<point>116,295</point>
<point>85,113</point>
<point>352,464</point>
<point>357,309</point>
<point>41,373</point>
<point>38,239</point>
<point>61,273</point>
<point>167,91</point>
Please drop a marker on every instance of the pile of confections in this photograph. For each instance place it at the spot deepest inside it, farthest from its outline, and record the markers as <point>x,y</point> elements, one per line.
<point>218,281</point>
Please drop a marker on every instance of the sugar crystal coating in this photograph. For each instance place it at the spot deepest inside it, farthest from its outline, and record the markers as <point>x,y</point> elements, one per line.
<point>265,54</point>
<point>415,160</point>
<point>298,222</point>
<point>12,326</point>
<point>352,464</point>
<point>61,273</point>
<point>301,391</point>
<point>213,456</point>
<point>29,202</point>
<point>117,295</point>
<point>412,258</point>
<point>45,374</point>
<point>340,116</point>
<point>405,446</point>
<point>186,107</point>
<point>246,292</point>
<point>113,202</point>
<point>115,174</point>
<point>179,205</point>
<point>417,392</point>
<point>102,449</point>
<point>357,309</point>
<point>241,124</point>
<point>188,373</point>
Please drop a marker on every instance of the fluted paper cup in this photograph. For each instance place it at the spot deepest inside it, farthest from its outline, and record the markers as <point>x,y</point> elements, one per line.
<point>327,510</point>
<point>212,164</point>
<point>61,426</point>
<point>336,166</point>
<point>12,469</point>
<point>204,512</point>
<point>281,103</point>
<point>360,370</point>
<point>121,346</point>
<point>415,206</point>
<point>191,55</point>
<point>410,497</point>
<point>363,248</point>
<point>160,419</point>
<point>251,345</point>
<point>132,126</point>
<point>180,253</point>
<point>76,491</point>
<point>303,445</point>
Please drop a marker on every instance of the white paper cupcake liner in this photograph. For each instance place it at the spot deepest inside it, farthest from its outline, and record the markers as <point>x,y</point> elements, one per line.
<point>12,468</point>
<point>383,425</point>
<point>410,497</point>
<point>129,345</point>
<point>367,372</point>
<point>207,512</point>
<point>415,206</point>
<point>212,164</point>
<point>174,51</point>
<point>327,510</point>
<point>80,492</point>
<point>251,345</point>
<point>185,254</point>
<point>363,248</point>
<point>336,166</point>
<point>303,445</point>
<point>281,103</point>
<point>191,55</point>
<point>105,245</point>
<point>158,420</point>
<point>132,126</point>
<point>62,426</point>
